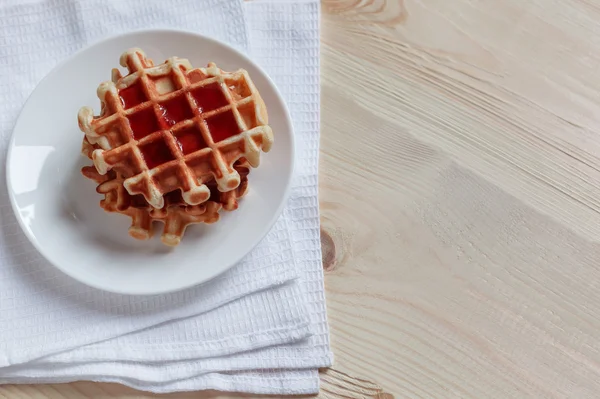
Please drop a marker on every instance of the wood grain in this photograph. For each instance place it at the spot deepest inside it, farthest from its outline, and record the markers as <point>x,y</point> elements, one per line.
<point>460,199</point>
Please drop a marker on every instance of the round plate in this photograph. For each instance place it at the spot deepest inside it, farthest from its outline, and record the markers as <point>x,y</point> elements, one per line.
<point>59,209</point>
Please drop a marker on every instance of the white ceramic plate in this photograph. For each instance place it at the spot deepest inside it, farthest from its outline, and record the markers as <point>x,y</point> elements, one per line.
<point>58,208</point>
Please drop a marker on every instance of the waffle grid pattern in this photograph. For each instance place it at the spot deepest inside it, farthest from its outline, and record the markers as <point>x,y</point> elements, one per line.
<point>164,134</point>
<point>176,215</point>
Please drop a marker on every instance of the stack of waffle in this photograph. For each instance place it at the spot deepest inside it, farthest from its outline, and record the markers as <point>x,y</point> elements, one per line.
<point>172,143</point>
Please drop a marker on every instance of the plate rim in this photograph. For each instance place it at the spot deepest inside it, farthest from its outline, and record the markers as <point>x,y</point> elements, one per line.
<point>284,199</point>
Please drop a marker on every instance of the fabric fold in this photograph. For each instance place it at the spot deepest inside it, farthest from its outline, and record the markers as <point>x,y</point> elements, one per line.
<point>259,328</point>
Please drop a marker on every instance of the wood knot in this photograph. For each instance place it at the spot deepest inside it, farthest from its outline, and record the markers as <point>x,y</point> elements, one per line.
<point>328,251</point>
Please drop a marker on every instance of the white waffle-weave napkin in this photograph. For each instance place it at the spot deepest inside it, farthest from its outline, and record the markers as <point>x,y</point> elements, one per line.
<point>43,312</point>
<point>285,42</point>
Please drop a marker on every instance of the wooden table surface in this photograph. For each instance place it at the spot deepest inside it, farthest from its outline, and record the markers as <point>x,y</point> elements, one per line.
<point>460,198</point>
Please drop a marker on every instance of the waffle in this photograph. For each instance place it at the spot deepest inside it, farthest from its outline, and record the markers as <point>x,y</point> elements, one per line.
<point>171,127</point>
<point>176,214</point>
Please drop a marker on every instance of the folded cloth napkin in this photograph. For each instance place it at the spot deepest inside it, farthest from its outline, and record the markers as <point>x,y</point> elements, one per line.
<point>285,40</point>
<point>43,312</point>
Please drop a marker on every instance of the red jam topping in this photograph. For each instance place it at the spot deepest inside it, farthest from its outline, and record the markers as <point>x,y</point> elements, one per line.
<point>222,126</point>
<point>132,96</point>
<point>156,153</point>
<point>190,140</point>
<point>196,76</point>
<point>175,110</point>
<point>143,123</point>
<point>209,97</point>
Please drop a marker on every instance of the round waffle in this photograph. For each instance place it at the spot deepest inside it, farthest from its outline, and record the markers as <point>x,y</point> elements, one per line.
<point>171,127</point>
